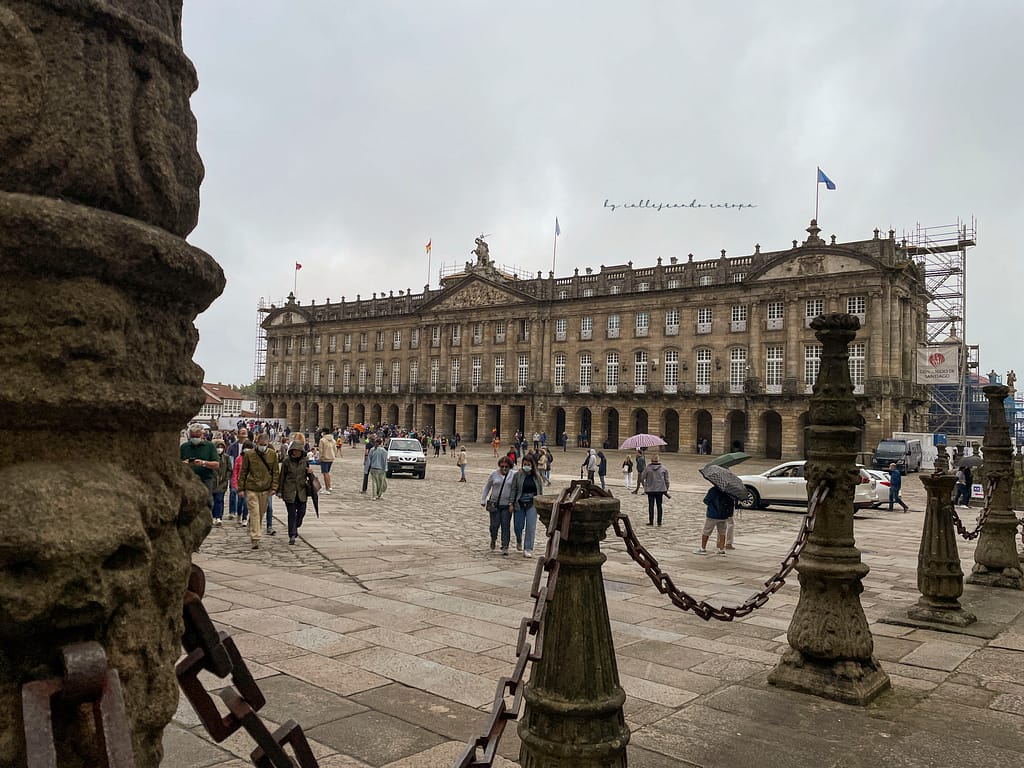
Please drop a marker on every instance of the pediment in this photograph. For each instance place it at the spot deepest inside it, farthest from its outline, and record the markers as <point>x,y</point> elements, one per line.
<point>475,292</point>
<point>802,264</point>
<point>286,316</point>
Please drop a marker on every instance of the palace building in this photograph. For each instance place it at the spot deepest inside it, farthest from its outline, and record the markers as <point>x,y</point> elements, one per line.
<point>720,350</point>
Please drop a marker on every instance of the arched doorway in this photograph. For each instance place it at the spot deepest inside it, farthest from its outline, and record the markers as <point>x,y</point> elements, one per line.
<point>736,430</point>
<point>329,416</point>
<point>360,414</point>
<point>410,417</point>
<point>268,410</point>
<point>343,420</point>
<point>801,433</point>
<point>556,438</point>
<point>282,410</point>
<point>670,430</point>
<point>375,415</point>
<point>771,434</point>
<point>295,422</point>
<point>611,429</point>
<point>393,414</point>
<point>583,419</point>
<point>702,428</point>
<point>314,415</point>
<point>640,425</point>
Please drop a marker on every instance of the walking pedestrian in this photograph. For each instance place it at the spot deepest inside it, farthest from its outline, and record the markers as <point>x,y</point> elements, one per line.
<point>292,487</point>
<point>221,481</point>
<point>720,509</point>
<point>542,462</point>
<point>526,483</point>
<point>550,461</point>
<point>378,460</point>
<point>655,482</point>
<point>366,466</point>
<point>641,465</point>
<point>241,507</point>
<point>565,442</point>
<point>627,473</point>
<point>328,454</point>
<point>497,500</point>
<point>589,465</point>
<point>257,482</point>
<point>461,462</point>
<point>602,467</point>
<point>201,457</point>
<point>895,483</point>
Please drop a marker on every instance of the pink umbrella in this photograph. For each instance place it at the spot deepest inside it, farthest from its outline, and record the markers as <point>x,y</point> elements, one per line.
<point>642,441</point>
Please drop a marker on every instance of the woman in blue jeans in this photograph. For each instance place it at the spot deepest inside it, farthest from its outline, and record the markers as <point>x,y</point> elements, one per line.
<point>526,484</point>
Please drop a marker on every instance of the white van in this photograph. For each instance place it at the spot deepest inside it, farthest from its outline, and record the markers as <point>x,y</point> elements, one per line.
<point>905,454</point>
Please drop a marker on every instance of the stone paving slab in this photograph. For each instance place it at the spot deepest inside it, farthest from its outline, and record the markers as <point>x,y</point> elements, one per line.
<point>387,631</point>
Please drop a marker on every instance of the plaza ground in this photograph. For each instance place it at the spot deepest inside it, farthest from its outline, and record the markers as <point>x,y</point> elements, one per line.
<point>384,631</point>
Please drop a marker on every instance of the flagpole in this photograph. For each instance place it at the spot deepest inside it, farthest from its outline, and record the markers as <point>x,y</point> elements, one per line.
<point>295,281</point>
<point>817,186</point>
<point>554,251</point>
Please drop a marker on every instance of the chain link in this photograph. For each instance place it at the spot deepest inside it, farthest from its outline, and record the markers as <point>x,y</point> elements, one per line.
<point>212,651</point>
<point>706,611</point>
<point>962,529</point>
<point>481,750</point>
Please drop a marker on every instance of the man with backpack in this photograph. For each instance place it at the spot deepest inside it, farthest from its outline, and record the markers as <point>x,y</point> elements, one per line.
<point>720,508</point>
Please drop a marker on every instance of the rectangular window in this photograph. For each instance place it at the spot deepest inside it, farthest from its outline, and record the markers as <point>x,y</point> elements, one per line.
<point>524,330</point>
<point>812,308</point>
<point>414,373</point>
<point>812,363</point>
<point>332,376</point>
<point>379,342</point>
<point>703,372</point>
<point>737,369</point>
<point>332,343</point>
<point>563,294</point>
<point>275,376</point>
<point>346,376</point>
<point>414,338</point>
<point>611,372</point>
<point>396,339</point>
<point>671,369</point>
<point>456,334</point>
<point>775,312</point>
<point>643,321</point>
<point>361,377</point>
<point>586,371</point>
<point>705,280</point>
<point>559,381</point>
<point>455,371</point>
<point>773,368</point>
<point>288,375</point>
<point>303,345</point>
<point>586,327</point>
<point>289,346</point>
<point>643,287</point>
<point>316,343</point>
<point>396,375</point>
<point>560,329</point>
<point>673,283</point>
<point>362,341</point>
<point>739,277</point>
<point>857,305</point>
<point>348,342</point>
<point>704,320</point>
<point>435,373</point>
<point>613,326</point>
<point>476,371</point>
<point>499,372</point>
<point>672,322</point>
<point>524,372</point>
<point>640,371</point>
<point>738,318</point>
<point>478,333</point>
<point>378,375</point>
<point>316,374</point>
<point>435,336</point>
<point>615,289</point>
<point>588,292</point>
<point>499,331</point>
<point>858,363</point>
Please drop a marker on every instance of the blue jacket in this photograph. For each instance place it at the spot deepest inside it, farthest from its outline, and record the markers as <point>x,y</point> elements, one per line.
<point>720,504</point>
<point>895,479</point>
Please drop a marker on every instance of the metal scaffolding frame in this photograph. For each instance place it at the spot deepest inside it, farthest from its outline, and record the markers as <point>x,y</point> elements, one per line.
<point>259,368</point>
<point>942,253</point>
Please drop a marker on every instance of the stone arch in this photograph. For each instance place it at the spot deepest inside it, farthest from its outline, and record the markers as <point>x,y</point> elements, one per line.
<point>771,434</point>
<point>360,414</point>
<point>611,427</point>
<point>295,419</point>
<point>392,414</point>
<point>639,421</point>
<point>735,431</point>
<point>268,410</point>
<point>584,426</point>
<point>314,415</point>
<point>329,416</point>
<point>343,419</point>
<point>559,420</point>
<point>670,429</point>
<point>703,428</point>
<point>801,431</point>
<point>375,414</point>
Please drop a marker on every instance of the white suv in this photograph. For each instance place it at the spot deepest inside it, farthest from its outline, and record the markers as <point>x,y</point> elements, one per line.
<point>405,454</point>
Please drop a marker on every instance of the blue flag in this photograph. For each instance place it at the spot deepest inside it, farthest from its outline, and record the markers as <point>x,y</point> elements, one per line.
<point>823,179</point>
<point>558,229</point>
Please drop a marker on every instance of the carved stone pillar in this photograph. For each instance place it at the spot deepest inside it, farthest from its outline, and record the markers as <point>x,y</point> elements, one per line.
<point>996,563</point>
<point>99,185</point>
<point>831,653</point>
<point>939,575</point>
<point>574,716</point>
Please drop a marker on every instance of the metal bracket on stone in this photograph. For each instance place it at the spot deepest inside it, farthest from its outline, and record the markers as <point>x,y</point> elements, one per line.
<point>87,680</point>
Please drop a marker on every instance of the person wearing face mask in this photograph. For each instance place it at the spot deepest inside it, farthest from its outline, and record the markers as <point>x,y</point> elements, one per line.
<point>526,483</point>
<point>292,487</point>
<point>201,457</point>
<point>497,499</point>
<point>257,483</point>
<point>221,480</point>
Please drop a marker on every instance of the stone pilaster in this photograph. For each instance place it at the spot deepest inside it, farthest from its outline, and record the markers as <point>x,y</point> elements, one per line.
<point>99,185</point>
<point>996,563</point>
<point>574,716</point>
<point>831,648</point>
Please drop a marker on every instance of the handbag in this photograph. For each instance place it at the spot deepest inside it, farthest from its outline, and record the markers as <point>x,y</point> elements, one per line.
<point>493,499</point>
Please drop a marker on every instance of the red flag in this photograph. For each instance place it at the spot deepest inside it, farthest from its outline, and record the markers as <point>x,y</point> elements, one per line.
<point>428,245</point>
<point>297,266</point>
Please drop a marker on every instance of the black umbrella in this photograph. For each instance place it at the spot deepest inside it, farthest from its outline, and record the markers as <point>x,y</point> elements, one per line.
<point>725,481</point>
<point>970,461</point>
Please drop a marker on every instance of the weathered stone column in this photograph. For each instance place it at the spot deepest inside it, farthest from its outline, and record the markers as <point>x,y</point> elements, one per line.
<point>939,575</point>
<point>996,563</point>
<point>99,185</point>
<point>831,653</point>
<point>574,716</point>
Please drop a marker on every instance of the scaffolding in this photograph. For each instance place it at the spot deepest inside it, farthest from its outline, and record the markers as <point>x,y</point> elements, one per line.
<point>942,253</point>
<point>259,368</point>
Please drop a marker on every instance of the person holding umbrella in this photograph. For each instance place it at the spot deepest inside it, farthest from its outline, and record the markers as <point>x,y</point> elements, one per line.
<point>720,508</point>
<point>655,482</point>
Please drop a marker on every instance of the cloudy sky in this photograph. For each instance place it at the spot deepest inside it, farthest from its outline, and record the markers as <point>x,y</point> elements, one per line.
<point>343,134</point>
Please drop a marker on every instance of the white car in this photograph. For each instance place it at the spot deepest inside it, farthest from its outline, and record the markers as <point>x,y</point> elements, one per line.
<point>786,485</point>
<point>405,454</point>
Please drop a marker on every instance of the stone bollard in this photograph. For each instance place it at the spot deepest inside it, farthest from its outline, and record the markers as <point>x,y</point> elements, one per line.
<point>996,563</point>
<point>99,185</point>
<point>939,575</point>
<point>574,716</point>
<point>831,648</point>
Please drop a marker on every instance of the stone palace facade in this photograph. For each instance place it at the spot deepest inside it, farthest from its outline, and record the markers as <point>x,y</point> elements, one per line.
<point>718,350</point>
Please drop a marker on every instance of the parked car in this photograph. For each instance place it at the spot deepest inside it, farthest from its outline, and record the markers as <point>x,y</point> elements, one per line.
<point>405,454</point>
<point>881,485</point>
<point>785,485</point>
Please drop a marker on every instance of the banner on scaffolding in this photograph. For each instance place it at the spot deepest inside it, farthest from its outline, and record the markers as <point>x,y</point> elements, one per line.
<point>938,364</point>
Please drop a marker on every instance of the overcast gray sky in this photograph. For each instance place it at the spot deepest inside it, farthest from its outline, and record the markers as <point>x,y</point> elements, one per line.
<point>345,134</point>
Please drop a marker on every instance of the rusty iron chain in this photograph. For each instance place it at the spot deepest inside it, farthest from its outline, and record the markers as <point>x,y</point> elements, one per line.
<point>213,651</point>
<point>87,680</point>
<point>481,750</point>
<point>706,611</point>
<point>962,529</point>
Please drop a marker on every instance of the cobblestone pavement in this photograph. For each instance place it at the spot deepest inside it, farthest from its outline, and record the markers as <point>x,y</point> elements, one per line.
<point>384,630</point>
